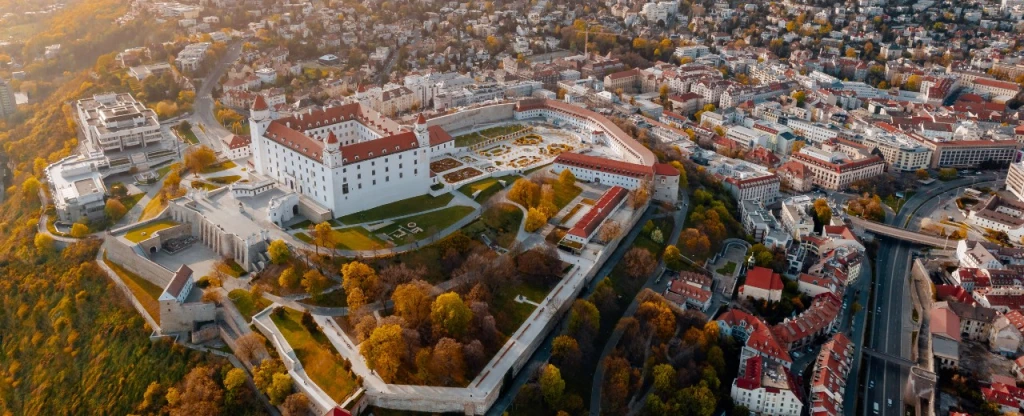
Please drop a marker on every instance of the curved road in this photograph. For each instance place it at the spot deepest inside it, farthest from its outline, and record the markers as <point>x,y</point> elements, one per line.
<point>890,330</point>
<point>202,109</point>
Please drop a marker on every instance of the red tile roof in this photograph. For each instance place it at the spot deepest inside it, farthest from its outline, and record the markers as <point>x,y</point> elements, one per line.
<point>238,142</point>
<point>593,218</point>
<point>260,104</point>
<point>601,164</point>
<point>178,280</point>
<point>764,278</point>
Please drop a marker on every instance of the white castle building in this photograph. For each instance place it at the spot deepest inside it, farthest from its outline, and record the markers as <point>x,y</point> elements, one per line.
<point>347,158</point>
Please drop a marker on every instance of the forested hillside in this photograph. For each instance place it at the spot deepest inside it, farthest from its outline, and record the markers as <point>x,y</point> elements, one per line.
<point>70,343</point>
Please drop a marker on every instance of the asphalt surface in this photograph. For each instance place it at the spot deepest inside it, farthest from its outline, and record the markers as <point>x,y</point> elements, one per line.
<point>890,310</point>
<point>202,110</point>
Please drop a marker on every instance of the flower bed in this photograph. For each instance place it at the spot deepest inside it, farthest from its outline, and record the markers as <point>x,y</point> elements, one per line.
<point>528,140</point>
<point>461,175</point>
<point>445,164</point>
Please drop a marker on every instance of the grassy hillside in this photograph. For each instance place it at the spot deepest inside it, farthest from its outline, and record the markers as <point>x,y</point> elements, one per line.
<point>70,343</point>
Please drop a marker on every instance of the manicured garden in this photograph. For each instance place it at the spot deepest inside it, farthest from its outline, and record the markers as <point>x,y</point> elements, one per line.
<point>142,233</point>
<point>486,134</point>
<point>429,223</point>
<point>398,208</point>
<point>317,355</point>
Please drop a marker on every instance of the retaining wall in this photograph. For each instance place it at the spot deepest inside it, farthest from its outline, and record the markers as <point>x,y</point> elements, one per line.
<point>469,118</point>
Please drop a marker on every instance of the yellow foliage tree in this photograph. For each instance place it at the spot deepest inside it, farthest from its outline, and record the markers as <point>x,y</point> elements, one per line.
<point>384,350</point>
<point>535,219</point>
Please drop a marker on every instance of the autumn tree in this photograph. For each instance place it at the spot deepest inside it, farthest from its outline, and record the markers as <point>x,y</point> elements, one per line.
<point>278,252</point>
<point>584,320</point>
<point>296,404</point>
<point>673,257</point>
<point>664,379</point>
<point>639,262</point>
<point>44,244</point>
<point>535,219</point>
<point>822,211</point>
<point>280,388</point>
<point>30,189</point>
<point>393,275</point>
<point>79,230</point>
<point>315,283</point>
<point>566,179</point>
<point>450,315</point>
<point>659,317</point>
<point>552,386</point>
<point>565,351</point>
<point>289,278</point>
<point>234,379</point>
<point>524,192</point>
<point>639,196</point>
<point>447,365</point>
<point>251,347</point>
<point>323,236</point>
<point>199,394</point>
<point>610,231</point>
<point>412,302</point>
<point>384,351</point>
<point>198,158</point>
<point>115,209</point>
<point>360,282</point>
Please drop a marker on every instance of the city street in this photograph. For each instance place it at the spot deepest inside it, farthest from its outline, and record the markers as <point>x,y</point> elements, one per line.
<point>890,310</point>
<point>211,131</point>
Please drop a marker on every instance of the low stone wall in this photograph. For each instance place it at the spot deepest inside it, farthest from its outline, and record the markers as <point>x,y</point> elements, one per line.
<point>320,400</point>
<point>133,261</point>
<point>469,118</point>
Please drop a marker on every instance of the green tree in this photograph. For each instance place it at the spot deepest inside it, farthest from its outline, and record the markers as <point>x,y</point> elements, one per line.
<point>700,400</point>
<point>278,252</point>
<point>552,386</point>
<point>450,315</point>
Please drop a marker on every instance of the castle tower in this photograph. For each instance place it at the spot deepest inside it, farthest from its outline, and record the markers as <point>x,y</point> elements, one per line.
<point>332,152</point>
<point>259,119</point>
<point>422,134</point>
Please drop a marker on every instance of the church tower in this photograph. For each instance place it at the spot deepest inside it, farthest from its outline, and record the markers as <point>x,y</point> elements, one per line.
<point>259,119</point>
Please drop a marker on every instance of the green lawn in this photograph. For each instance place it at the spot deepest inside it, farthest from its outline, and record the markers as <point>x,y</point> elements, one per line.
<point>398,208</point>
<point>317,356</point>
<point>187,135</point>
<point>141,233</point>
<point>485,134</point>
<point>233,269</point>
<point>727,269</point>
<point>131,201</point>
<point>246,304</point>
<point>145,291</point>
<point>509,315</point>
<point>487,187</point>
<point>220,166</point>
<point>564,196</point>
<point>225,180</point>
<point>333,299</point>
<point>431,223</point>
<point>499,222</point>
<point>356,238</point>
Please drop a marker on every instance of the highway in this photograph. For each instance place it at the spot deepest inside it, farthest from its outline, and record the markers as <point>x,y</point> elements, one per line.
<point>890,309</point>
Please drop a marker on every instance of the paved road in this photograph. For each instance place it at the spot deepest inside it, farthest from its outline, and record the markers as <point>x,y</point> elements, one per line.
<point>890,311</point>
<point>543,352</point>
<point>202,113</point>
